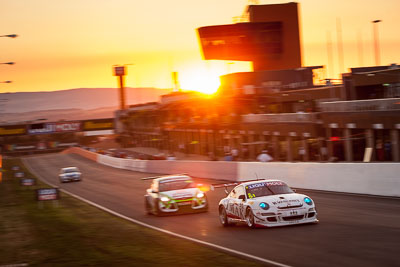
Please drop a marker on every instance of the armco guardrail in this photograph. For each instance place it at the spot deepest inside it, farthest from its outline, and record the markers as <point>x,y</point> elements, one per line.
<point>360,178</point>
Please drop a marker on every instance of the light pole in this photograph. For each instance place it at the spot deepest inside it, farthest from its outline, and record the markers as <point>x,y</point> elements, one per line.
<point>8,63</point>
<point>121,71</point>
<point>9,35</point>
<point>376,41</point>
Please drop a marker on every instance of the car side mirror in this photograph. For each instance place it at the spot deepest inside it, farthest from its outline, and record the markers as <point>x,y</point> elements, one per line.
<point>242,197</point>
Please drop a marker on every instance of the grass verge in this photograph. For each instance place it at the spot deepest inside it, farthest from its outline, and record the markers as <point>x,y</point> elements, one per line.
<point>77,234</point>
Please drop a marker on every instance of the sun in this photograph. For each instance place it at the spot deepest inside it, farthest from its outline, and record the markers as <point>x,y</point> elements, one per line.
<point>204,76</point>
<point>203,81</point>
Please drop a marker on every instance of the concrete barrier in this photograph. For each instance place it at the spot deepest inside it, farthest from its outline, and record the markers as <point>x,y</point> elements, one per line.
<point>111,161</point>
<point>137,165</point>
<point>381,179</point>
<point>84,153</point>
<point>120,163</point>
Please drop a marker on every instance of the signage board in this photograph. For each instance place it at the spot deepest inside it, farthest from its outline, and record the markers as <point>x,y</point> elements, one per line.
<point>43,194</point>
<point>27,181</point>
<point>19,174</point>
<point>12,130</point>
<point>67,127</point>
<point>16,147</point>
<point>15,168</point>
<point>119,71</point>
<point>100,132</point>
<point>54,127</point>
<point>41,128</point>
<point>99,124</point>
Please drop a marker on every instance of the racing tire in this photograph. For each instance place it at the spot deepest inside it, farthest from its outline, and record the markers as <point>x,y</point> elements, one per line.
<point>147,206</point>
<point>223,219</point>
<point>205,209</point>
<point>250,218</point>
<point>157,210</point>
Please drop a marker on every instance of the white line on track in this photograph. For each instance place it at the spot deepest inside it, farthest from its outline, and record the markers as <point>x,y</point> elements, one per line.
<point>228,250</point>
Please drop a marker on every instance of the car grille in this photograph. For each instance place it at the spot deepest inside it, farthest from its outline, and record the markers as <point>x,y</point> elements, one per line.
<point>293,218</point>
<point>183,198</point>
<point>267,214</point>
<point>290,207</point>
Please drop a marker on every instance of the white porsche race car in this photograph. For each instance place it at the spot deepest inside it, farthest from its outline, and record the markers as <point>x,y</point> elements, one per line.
<point>266,203</point>
<point>174,193</point>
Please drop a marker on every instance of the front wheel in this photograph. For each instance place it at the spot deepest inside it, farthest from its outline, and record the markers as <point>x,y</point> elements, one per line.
<point>147,206</point>
<point>222,217</point>
<point>250,218</point>
<point>157,210</point>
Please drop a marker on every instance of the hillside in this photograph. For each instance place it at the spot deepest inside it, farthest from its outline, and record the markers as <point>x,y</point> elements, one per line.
<point>82,98</point>
<point>82,103</point>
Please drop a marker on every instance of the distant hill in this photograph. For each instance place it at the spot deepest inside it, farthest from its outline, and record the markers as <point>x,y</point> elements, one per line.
<point>82,98</point>
<point>82,103</point>
<point>57,115</point>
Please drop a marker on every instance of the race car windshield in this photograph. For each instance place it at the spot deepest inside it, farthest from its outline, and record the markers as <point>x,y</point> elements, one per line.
<point>70,170</point>
<point>267,189</point>
<point>176,185</point>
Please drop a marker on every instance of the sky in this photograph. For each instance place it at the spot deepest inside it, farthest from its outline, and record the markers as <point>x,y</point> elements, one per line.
<point>66,44</point>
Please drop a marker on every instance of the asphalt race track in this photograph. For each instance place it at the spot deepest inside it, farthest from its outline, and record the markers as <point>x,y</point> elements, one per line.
<point>353,230</point>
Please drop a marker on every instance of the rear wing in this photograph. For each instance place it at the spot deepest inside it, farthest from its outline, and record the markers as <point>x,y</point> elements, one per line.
<point>225,185</point>
<point>213,186</point>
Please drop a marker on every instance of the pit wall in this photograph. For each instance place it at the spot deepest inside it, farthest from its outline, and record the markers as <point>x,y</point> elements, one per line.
<point>380,179</point>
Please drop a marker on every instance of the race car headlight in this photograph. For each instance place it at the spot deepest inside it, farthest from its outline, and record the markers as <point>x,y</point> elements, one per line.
<point>200,195</point>
<point>308,201</point>
<point>164,199</point>
<point>264,205</point>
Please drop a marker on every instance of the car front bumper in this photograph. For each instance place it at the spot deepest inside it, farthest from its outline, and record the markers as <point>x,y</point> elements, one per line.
<point>289,217</point>
<point>186,205</point>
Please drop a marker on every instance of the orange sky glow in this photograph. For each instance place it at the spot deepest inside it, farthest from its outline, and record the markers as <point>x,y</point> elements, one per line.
<point>75,43</point>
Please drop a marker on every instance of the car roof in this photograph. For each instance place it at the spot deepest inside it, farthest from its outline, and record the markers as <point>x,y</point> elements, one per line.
<point>68,168</point>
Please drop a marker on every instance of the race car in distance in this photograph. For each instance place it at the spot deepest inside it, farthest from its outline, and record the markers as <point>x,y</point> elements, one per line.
<point>174,193</point>
<point>69,174</point>
<point>266,203</point>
